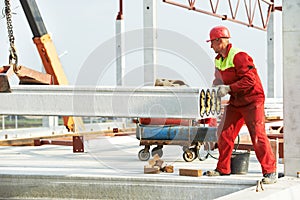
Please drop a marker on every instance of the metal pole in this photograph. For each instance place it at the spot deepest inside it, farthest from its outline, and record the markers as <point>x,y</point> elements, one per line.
<point>271,57</point>
<point>3,122</point>
<point>16,121</point>
<point>120,58</point>
<point>149,42</point>
<point>34,18</point>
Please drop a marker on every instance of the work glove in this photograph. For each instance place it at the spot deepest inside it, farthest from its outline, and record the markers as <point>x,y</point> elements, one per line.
<point>223,90</point>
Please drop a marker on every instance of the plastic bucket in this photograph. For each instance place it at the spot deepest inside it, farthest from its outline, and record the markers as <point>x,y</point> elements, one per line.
<point>240,162</point>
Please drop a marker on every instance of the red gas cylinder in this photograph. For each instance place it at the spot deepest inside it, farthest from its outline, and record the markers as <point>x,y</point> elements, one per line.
<point>165,121</point>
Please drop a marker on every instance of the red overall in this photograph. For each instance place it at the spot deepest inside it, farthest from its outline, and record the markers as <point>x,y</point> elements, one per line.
<point>246,105</point>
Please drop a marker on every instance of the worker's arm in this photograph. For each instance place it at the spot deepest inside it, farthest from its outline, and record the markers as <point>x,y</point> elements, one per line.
<point>218,78</point>
<point>246,73</point>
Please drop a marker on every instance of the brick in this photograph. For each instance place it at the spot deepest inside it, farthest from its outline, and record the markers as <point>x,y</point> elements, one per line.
<point>190,172</point>
<point>168,169</point>
<point>151,170</point>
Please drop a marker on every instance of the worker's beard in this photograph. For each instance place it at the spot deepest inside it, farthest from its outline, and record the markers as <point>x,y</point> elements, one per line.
<point>217,51</point>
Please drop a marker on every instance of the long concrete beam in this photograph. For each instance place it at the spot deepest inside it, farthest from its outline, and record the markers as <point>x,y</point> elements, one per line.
<point>115,187</point>
<point>156,102</point>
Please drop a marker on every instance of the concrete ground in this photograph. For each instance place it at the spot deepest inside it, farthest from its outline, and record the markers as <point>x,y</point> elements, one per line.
<point>110,169</point>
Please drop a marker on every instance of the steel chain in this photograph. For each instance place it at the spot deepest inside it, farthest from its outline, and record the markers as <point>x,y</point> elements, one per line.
<point>13,58</point>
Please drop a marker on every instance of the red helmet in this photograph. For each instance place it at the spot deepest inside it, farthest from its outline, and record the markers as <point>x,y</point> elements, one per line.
<point>218,32</point>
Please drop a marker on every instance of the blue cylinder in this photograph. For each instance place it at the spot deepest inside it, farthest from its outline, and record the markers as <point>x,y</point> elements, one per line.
<point>192,133</point>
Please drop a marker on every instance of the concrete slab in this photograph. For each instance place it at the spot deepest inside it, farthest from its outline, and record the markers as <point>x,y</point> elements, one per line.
<point>285,188</point>
<point>110,169</point>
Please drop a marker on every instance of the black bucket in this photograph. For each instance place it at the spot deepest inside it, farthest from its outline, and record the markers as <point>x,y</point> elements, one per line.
<point>240,162</point>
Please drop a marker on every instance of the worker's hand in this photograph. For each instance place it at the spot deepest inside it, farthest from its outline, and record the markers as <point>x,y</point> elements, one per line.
<point>223,90</point>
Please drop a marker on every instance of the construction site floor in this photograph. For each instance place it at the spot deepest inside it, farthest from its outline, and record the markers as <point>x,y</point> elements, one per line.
<point>109,168</point>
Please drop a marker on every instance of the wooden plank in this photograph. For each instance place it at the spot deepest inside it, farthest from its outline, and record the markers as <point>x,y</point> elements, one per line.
<point>190,172</point>
<point>275,136</point>
<point>37,141</point>
<point>30,141</point>
<point>55,142</point>
<point>250,147</point>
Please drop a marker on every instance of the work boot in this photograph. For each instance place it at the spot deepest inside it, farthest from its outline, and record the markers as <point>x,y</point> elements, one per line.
<point>214,173</point>
<point>269,178</point>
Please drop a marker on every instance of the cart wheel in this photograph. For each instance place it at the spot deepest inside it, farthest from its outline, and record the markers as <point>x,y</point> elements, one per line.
<point>158,151</point>
<point>144,155</point>
<point>189,155</point>
<point>202,153</point>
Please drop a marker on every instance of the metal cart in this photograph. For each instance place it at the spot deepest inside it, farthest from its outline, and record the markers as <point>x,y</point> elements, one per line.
<point>191,138</point>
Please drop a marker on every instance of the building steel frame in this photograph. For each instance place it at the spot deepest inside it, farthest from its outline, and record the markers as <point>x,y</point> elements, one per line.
<point>251,8</point>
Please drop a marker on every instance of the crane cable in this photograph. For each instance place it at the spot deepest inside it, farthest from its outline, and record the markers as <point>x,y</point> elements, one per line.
<point>13,57</point>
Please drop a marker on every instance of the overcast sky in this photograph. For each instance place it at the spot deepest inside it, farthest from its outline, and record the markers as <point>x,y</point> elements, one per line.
<point>83,33</point>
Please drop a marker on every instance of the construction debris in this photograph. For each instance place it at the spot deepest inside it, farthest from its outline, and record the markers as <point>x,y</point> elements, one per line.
<point>171,83</point>
<point>156,166</point>
<point>168,169</point>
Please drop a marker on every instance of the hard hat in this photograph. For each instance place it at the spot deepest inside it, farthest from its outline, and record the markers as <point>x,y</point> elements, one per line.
<point>218,32</point>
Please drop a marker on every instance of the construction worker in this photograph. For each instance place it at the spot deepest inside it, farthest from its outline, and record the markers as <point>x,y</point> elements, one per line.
<point>236,75</point>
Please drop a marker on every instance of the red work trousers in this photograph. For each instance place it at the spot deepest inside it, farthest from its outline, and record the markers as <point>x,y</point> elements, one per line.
<point>254,118</point>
